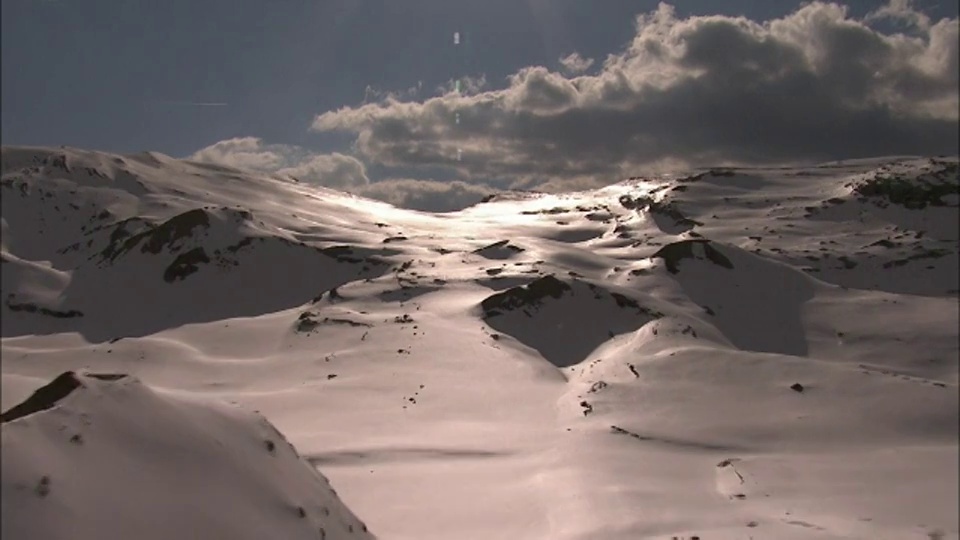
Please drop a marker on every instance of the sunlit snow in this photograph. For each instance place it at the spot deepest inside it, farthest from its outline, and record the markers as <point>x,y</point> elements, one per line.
<point>724,354</point>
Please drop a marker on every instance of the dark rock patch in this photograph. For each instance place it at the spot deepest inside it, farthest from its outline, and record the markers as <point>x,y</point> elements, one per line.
<point>499,250</point>
<point>676,442</point>
<point>847,262</point>
<point>526,296</point>
<point>884,243</point>
<point>168,232</point>
<point>121,232</point>
<point>239,245</point>
<point>912,193</point>
<point>701,176</point>
<point>29,307</point>
<point>549,212</point>
<point>306,322</point>
<point>935,253</point>
<point>185,264</point>
<point>107,376</point>
<point>675,252</point>
<point>343,254</point>
<point>49,395</point>
<point>666,209</point>
<point>43,486</point>
<point>309,320</point>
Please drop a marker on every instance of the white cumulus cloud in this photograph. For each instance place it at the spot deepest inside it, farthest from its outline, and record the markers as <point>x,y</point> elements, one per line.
<point>338,171</point>
<point>816,84</point>
<point>574,64</point>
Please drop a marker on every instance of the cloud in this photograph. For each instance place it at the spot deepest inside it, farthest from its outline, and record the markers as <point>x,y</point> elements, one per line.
<point>334,170</point>
<point>468,85</point>
<point>341,172</point>
<point>371,94</point>
<point>816,84</point>
<point>241,152</point>
<point>426,195</point>
<point>900,10</point>
<point>575,64</point>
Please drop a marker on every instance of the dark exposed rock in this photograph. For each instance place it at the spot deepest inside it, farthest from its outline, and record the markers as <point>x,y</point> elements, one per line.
<point>122,231</point>
<point>529,295</point>
<point>306,322</point>
<point>629,202</point>
<point>663,208</point>
<point>587,407</point>
<point>29,307</point>
<point>342,254</point>
<point>549,211</point>
<point>501,246</point>
<point>935,253</point>
<point>107,376</point>
<point>239,245</point>
<point>912,193</point>
<point>711,172</point>
<point>175,228</point>
<point>347,322</point>
<point>884,243</point>
<point>673,253</point>
<point>47,396</point>
<point>43,487</point>
<point>847,262</point>
<point>185,264</point>
<point>597,386</point>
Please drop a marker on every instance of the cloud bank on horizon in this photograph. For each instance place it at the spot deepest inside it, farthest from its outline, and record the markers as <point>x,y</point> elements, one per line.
<point>816,84</point>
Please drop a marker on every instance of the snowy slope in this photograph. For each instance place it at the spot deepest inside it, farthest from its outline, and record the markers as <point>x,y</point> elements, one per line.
<point>104,456</point>
<point>736,353</point>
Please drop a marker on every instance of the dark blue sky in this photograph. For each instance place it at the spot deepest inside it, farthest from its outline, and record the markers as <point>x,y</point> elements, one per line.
<point>120,75</point>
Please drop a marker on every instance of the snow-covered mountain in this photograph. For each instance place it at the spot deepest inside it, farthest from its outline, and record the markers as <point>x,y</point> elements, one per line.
<point>731,353</point>
<point>104,456</point>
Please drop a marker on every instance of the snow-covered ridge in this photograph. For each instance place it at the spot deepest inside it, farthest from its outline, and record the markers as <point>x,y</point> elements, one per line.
<point>535,366</point>
<point>104,456</point>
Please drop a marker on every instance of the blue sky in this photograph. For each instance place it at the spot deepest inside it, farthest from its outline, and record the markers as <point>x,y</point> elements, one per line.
<point>179,76</point>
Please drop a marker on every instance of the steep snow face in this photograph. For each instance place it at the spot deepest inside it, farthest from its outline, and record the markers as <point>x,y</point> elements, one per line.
<point>104,456</point>
<point>732,353</point>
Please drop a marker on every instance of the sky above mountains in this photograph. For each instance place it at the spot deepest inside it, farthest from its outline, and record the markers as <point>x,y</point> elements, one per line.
<point>434,104</point>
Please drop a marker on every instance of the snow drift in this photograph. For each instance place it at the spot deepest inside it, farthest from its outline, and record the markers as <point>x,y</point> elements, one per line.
<point>104,456</point>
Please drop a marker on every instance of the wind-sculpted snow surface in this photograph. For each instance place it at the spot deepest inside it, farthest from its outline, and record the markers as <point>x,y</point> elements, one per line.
<point>104,456</point>
<point>730,353</point>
